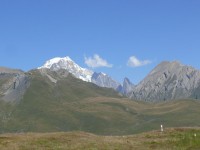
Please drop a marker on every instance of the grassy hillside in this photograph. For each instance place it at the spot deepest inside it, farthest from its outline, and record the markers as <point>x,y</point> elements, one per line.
<point>173,139</point>
<point>72,104</point>
<point>47,106</point>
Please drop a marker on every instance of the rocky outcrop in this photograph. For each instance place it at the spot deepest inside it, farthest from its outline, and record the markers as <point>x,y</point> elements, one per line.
<point>14,84</point>
<point>54,76</point>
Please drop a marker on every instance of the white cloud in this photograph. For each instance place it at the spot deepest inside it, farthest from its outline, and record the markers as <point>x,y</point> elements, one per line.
<point>96,61</point>
<point>135,62</point>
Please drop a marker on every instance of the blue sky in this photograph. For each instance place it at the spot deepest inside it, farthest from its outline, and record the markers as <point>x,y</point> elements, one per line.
<point>125,38</point>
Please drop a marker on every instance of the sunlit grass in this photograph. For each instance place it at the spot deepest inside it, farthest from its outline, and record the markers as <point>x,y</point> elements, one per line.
<point>170,139</point>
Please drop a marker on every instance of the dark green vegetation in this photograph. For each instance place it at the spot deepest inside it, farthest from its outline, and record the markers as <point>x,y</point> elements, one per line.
<point>71,104</point>
<point>173,139</point>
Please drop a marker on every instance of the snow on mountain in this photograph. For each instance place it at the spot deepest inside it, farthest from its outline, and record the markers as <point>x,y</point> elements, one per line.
<point>68,64</point>
<point>100,79</point>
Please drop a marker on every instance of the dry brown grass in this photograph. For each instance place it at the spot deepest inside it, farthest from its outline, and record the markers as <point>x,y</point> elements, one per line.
<point>170,139</point>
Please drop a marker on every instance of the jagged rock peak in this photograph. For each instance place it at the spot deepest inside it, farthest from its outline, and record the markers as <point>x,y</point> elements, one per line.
<point>126,80</point>
<point>128,86</point>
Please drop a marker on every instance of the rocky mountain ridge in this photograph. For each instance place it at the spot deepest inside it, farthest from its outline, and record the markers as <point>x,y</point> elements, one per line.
<point>168,80</point>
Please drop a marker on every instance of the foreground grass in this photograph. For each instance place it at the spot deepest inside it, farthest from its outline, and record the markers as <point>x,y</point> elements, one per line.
<point>178,138</point>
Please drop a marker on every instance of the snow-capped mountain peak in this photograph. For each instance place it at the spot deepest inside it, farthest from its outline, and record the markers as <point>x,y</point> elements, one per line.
<point>68,64</point>
<point>101,79</point>
<point>55,60</point>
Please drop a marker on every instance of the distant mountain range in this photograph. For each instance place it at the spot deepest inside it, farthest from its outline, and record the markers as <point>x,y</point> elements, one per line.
<point>167,81</point>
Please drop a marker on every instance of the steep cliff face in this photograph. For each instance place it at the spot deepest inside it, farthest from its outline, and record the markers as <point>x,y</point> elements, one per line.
<point>14,84</point>
<point>169,80</point>
<point>128,87</point>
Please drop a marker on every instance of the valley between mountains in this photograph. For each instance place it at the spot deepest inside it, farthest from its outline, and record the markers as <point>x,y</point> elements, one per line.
<point>62,96</point>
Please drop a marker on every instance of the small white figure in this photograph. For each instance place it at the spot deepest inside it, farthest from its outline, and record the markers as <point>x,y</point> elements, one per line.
<point>161,128</point>
<point>195,135</point>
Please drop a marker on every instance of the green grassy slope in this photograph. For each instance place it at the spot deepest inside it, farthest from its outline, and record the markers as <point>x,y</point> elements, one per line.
<point>53,107</point>
<point>173,139</point>
<point>72,104</point>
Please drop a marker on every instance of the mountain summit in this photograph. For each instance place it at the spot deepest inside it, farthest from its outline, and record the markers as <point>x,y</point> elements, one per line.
<point>68,64</point>
<point>168,80</point>
<point>84,74</point>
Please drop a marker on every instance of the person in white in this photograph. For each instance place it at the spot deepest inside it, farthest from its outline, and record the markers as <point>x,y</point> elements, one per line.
<point>161,128</point>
